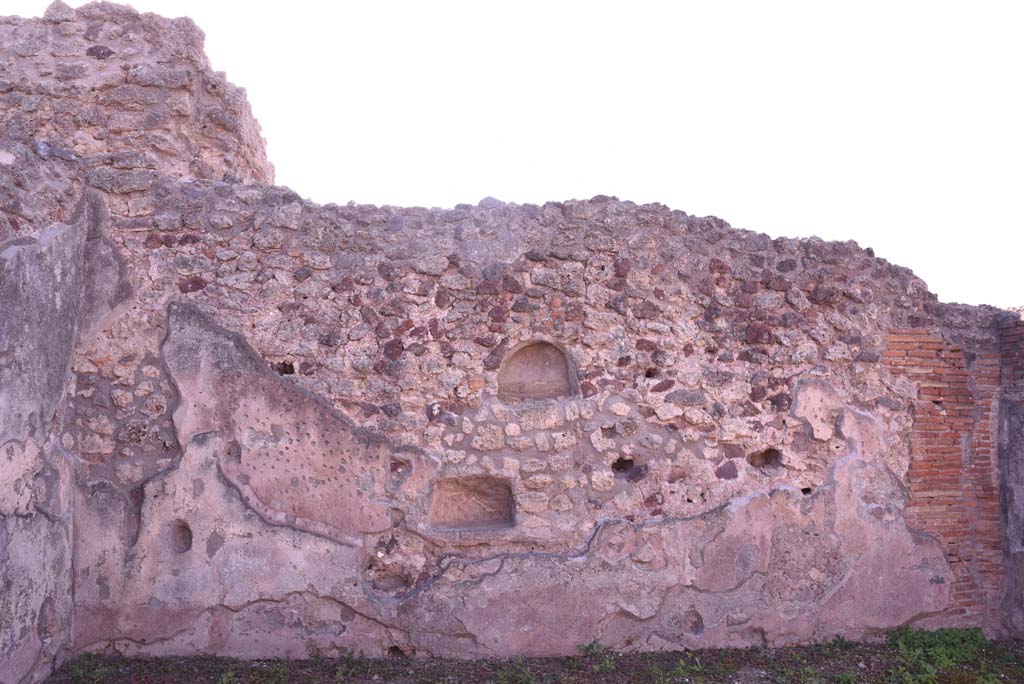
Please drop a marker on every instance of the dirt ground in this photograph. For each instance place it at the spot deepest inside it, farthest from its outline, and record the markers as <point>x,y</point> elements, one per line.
<point>838,662</point>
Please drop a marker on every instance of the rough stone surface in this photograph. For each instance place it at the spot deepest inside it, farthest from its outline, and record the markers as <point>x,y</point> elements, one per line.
<point>282,428</point>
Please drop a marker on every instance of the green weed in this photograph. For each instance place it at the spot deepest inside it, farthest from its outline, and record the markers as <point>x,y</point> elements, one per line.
<point>923,655</point>
<point>515,673</point>
<point>89,670</point>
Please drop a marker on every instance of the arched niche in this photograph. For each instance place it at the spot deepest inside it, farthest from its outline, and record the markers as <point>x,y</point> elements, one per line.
<point>538,370</point>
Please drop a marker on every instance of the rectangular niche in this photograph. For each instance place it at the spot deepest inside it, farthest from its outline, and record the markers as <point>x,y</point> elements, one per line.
<point>474,502</point>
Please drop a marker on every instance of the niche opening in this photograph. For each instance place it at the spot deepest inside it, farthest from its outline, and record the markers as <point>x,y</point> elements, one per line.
<point>181,536</point>
<point>472,502</point>
<point>537,371</point>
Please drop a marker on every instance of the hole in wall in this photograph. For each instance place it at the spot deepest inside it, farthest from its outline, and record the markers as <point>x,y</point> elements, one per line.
<point>472,502</point>
<point>136,497</point>
<point>46,623</point>
<point>623,466</point>
<point>537,371</point>
<point>806,491</point>
<point>651,373</point>
<point>285,368</point>
<point>769,458</point>
<point>396,652</point>
<point>181,536</point>
<point>399,471</point>
<point>693,622</point>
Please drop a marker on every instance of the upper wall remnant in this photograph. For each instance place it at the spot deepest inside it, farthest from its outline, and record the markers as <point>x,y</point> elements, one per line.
<point>117,90</point>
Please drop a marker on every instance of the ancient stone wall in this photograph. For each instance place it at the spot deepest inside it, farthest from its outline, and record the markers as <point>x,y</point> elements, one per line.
<point>288,429</point>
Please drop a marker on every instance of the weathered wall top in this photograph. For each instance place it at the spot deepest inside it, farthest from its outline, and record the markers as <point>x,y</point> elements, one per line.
<point>111,89</point>
<point>494,429</point>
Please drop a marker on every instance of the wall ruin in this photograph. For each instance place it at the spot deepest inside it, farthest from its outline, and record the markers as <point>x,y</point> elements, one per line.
<point>236,422</point>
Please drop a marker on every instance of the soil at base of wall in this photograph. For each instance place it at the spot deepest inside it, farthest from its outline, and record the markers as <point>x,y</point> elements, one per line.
<point>830,663</point>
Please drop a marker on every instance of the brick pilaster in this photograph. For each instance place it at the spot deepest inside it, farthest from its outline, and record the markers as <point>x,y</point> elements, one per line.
<point>953,475</point>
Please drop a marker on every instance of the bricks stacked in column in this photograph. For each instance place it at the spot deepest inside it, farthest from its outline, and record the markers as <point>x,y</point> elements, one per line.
<point>954,490</point>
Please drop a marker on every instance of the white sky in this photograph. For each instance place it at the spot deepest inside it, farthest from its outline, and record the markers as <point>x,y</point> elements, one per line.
<point>898,124</point>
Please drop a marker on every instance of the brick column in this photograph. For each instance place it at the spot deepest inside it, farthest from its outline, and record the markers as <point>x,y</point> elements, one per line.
<point>953,479</point>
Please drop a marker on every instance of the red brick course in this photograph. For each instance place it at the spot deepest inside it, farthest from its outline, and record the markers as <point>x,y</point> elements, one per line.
<point>953,474</point>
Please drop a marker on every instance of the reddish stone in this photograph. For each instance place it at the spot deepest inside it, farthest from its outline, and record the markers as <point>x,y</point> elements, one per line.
<point>442,298</point>
<point>493,360</point>
<point>511,285</point>
<point>393,348</point>
<point>758,333</point>
<point>664,385</point>
<point>192,283</point>
<point>390,271</point>
<point>646,310</point>
<point>727,471</point>
<point>345,284</point>
<point>780,401</point>
<point>733,451</point>
<point>487,287</point>
<point>404,327</point>
<point>718,266</point>
<point>822,294</point>
<point>369,315</point>
<point>574,313</point>
<point>523,305</point>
